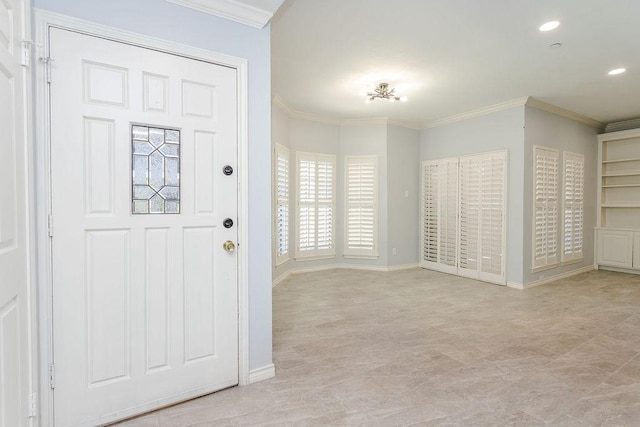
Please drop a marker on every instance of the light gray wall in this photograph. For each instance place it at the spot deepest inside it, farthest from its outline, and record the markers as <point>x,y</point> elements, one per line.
<point>365,141</point>
<point>312,137</point>
<point>550,130</point>
<point>164,20</point>
<point>496,131</point>
<point>403,170</point>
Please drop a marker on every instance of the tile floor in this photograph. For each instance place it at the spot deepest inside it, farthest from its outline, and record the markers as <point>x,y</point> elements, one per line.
<point>418,347</point>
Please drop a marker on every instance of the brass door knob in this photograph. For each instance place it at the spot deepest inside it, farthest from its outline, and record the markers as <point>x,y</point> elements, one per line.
<point>229,246</point>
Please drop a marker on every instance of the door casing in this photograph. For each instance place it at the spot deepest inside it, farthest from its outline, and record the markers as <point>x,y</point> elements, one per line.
<point>43,21</point>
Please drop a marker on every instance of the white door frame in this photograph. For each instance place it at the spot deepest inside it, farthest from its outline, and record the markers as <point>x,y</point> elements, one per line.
<point>45,20</point>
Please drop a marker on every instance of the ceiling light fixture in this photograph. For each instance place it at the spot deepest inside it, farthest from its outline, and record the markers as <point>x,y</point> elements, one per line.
<point>382,91</point>
<point>548,26</point>
<point>617,71</point>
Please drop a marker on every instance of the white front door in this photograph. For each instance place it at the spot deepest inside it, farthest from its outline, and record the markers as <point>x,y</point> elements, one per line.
<point>14,289</point>
<point>144,195</point>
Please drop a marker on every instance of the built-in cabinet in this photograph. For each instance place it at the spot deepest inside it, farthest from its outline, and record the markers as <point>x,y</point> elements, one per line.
<point>618,223</point>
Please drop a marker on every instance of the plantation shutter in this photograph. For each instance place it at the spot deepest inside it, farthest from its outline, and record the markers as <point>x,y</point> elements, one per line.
<point>463,216</point>
<point>545,226</point>
<point>492,217</point>
<point>306,206</point>
<point>482,220</point>
<point>361,206</point>
<point>470,185</point>
<point>573,207</point>
<point>429,214</point>
<point>325,205</point>
<point>316,205</point>
<point>282,204</point>
<point>448,215</point>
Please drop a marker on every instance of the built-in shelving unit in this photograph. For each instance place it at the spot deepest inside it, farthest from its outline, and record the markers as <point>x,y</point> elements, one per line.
<point>618,223</point>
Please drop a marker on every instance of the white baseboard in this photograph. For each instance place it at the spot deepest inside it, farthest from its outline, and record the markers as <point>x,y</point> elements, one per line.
<point>284,276</point>
<point>618,270</point>
<point>314,269</point>
<point>551,279</point>
<point>261,374</point>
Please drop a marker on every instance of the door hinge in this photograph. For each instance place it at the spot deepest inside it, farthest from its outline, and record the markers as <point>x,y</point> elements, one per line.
<point>50,225</point>
<point>26,54</point>
<point>33,405</point>
<point>47,67</point>
<point>52,376</point>
<point>26,51</point>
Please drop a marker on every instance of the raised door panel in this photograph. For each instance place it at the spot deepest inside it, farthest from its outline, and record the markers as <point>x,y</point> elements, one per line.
<point>615,248</point>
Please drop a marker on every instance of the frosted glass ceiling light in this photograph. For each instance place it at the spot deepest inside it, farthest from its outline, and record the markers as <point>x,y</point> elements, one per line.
<point>617,71</point>
<point>548,26</point>
<point>382,91</point>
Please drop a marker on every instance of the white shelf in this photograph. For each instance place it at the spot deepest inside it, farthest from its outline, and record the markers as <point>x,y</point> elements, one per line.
<point>621,160</point>
<point>618,186</point>
<point>621,174</point>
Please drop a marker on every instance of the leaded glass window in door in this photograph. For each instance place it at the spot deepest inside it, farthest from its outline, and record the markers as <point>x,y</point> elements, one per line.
<point>155,170</point>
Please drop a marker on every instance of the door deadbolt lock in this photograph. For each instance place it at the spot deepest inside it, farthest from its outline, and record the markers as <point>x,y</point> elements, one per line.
<point>227,170</point>
<point>228,223</point>
<point>229,246</point>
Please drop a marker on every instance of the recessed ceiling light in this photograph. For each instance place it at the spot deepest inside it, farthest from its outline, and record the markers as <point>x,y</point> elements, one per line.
<point>548,26</point>
<point>617,71</point>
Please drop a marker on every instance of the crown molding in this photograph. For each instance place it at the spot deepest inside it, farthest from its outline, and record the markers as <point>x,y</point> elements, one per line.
<point>623,125</point>
<point>518,102</point>
<point>408,125</point>
<point>230,9</point>
<point>562,112</point>
<point>529,101</point>
<point>281,103</point>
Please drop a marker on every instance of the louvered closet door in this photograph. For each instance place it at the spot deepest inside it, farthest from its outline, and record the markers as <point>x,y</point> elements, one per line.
<point>492,218</point>
<point>482,220</point>
<point>448,215</point>
<point>429,215</point>
<point>464,211</point>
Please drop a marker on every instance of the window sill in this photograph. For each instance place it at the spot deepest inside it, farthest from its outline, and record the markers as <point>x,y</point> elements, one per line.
<point>572,261</point>
<point>545,267</point>
<point>349,256</point>
<point>314,257</point>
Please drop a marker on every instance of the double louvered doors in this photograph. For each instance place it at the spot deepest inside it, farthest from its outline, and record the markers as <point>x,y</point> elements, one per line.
<point>463,216</point>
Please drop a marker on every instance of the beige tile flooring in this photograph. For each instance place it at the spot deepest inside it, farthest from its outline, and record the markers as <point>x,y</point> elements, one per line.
<point>424,348</point>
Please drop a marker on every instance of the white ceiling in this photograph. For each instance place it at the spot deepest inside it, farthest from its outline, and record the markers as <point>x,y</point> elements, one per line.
<point>454,56</point>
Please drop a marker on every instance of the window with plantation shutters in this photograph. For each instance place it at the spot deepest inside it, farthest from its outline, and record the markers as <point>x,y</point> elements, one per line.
<point>361,207</point>
<point>546,209</point>
<point>316,205</point>
<point>572,207</point>
<point>281,181</point>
